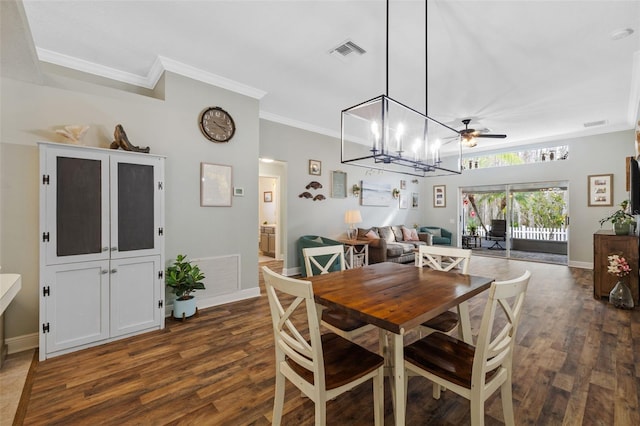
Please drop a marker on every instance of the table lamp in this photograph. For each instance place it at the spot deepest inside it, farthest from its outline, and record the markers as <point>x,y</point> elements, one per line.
<point>351,217</point>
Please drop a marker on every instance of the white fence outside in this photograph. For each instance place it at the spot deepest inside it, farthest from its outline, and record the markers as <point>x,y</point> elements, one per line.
<point>531,233</point>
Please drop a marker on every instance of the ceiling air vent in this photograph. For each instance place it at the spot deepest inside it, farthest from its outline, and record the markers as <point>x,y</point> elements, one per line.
<point>346,49</point>
<point>595,123</point>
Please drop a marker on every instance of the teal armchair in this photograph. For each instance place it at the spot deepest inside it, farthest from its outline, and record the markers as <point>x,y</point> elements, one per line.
<point>440,236</point>
<point>307,241</point>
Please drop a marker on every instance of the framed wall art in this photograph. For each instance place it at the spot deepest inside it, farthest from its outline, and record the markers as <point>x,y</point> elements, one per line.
<point>404,201</point>
<point>439,196</point>
<point>600,192</point>
<point>376,194</point>
<point>338,184</point>
<point>215,185</point>
<point>268,197</point>
<point>315,167</point>
<point>415,200</point>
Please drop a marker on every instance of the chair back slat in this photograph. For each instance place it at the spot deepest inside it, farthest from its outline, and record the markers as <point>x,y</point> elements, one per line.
<point>444,258</point>
<point>323,258</point>
<point>290,341</point>
<point>493,352</point>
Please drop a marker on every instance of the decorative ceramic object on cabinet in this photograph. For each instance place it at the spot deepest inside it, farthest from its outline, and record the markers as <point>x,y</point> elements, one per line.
<point>101,246</point>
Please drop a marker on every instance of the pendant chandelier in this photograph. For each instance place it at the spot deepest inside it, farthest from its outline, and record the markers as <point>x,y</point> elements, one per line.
<point>384,134</point>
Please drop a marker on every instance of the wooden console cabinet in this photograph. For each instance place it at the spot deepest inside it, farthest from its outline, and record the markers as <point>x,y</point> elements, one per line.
<point>605,243</point>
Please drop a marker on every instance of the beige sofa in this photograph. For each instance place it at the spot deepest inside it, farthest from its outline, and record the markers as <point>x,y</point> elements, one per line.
<point>388,243</point>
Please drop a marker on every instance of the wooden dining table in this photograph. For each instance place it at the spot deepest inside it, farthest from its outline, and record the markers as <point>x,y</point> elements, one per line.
<point>398,298</point>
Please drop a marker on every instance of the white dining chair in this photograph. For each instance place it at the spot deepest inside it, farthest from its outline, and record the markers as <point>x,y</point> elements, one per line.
<point>475,372</point>
<point>321,366</point>
<point>323,258</point>
<point>446,259</point>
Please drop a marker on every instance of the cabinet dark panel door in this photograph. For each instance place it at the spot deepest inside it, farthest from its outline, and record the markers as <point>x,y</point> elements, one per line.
<point>78,205</point>
<point>135,207</point>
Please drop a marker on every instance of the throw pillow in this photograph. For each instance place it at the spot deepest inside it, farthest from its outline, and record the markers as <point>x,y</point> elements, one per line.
<point>410,234</point>
<point>435,232</point>
<point>372,235</point>
<point>387,234</point>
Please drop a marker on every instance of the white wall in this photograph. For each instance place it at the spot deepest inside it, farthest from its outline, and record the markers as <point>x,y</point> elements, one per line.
<point>170,127</point>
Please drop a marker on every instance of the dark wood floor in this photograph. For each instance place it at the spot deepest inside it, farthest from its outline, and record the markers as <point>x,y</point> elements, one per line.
<point>577,362</point>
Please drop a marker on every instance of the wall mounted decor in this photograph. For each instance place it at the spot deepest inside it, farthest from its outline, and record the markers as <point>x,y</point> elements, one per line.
<point>305,194</point>
<point>376,194</point>
<point>403,184</point>
<point>415,198</point>
<point>404,201</point>
<point>439,196</point>
<point>215,185</point>
<point>338,184</point>
<point>217,125</point>
<point>314,185</point>
<point>267,197</point>
<point>600,190</point>
<point>315,167</point>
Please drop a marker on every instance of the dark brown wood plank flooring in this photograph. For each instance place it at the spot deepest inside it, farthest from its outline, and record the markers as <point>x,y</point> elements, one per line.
<point>577,362</point>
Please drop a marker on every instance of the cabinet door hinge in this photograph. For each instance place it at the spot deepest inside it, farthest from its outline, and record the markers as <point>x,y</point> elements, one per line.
<point>45,328</point>
<point>160,304</point>
<point>45,237</point>
<point>160,274</point>
<point>160,186</point>
<point>46,291</point>
<point>160,231</point>
<point>45,179</point>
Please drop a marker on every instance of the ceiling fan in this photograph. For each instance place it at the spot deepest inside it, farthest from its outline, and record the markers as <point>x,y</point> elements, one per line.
<point>468,136</point>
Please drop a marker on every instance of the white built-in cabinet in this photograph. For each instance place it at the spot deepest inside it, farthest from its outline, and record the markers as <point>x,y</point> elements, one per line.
<point>101,246</point>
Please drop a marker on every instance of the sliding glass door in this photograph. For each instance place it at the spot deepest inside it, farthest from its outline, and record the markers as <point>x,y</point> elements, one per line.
<point>534,216</point>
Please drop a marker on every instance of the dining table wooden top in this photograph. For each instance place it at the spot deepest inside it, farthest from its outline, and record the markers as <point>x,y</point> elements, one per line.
<point>394,296</point>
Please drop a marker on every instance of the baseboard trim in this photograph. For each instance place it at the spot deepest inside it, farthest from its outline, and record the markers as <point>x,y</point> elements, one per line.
<point>289,272</point>
<point>582,265</point>
<point>22,343</point>
<point>208,302</point>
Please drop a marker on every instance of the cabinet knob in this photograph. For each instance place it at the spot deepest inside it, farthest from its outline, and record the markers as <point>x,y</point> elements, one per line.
<point>104,271</point>
<point>114,270</point>
<point>114,248</point>
<point>105,248</point>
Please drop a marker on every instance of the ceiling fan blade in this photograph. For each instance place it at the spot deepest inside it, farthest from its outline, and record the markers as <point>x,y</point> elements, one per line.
<point>490,136</point>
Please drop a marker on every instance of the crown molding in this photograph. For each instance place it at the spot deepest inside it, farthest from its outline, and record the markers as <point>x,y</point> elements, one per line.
<point>92,68</point>
<point>160,65</point>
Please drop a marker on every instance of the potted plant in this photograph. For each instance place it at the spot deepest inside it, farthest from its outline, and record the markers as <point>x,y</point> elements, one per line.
<point>472,226</point>
<point>620,219</point>
<point>184,278</point>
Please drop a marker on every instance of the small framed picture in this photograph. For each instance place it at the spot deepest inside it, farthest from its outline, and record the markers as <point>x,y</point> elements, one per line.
<point>600,190</point>
<point>268,197</point>
<point>415,200</point>
<point>439,196</point>
<point>315,167</point>
<point>404,201</point>
<point>338,184</point>
<point>403,184</point>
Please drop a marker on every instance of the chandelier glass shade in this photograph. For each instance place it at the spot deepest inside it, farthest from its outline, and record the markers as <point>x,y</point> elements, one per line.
<point>384,134</point>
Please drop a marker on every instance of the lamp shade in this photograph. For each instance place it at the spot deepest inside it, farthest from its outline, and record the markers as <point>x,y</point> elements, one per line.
<point>352,216</point>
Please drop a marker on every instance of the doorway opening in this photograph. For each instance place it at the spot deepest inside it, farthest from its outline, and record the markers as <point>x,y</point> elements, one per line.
<point>533,218</point>
<point>271,220</point>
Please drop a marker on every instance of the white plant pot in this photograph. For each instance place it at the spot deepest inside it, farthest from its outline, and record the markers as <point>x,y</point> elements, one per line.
<point>184,308</point>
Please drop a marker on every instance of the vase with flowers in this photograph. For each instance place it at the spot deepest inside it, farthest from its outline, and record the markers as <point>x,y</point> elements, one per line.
<point>620,295</point>
<point>622,221</point>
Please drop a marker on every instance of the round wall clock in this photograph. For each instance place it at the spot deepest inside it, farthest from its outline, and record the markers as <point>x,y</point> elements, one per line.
<point>217,125</point>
